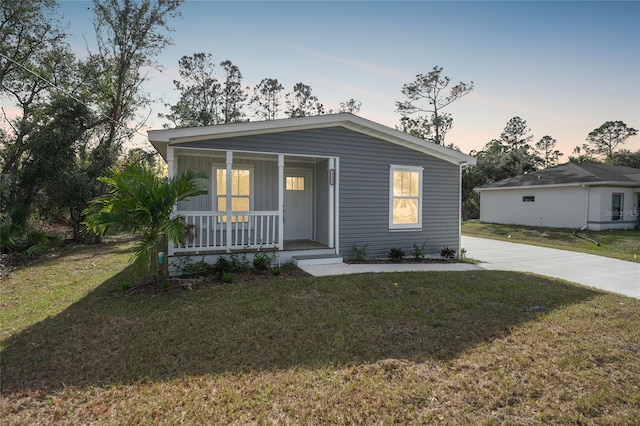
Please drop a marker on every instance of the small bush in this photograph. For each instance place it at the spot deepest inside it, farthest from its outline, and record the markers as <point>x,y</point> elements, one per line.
<point>222,265</point>
<point>396,254</point>
<point>239,262</point>
<point>187,268</point>
<point>448,253</point>
<point>262,260</point>
<point>227,278</point>
<point>360,253</point>
<point>419,252</point>
<point>276,271</point>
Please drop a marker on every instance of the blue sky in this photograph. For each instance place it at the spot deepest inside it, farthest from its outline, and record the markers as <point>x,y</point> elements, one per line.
<point>565,67</point>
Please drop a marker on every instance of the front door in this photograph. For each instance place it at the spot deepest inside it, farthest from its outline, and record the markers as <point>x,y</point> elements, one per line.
<point>297,205</point>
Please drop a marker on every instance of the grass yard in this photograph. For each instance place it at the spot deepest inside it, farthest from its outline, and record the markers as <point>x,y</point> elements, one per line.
<point>480,347</point>
<point>619,244</point>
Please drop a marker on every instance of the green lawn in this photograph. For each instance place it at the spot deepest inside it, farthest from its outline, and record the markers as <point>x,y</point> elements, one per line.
<point>618,244</point>
<point>480,347</point>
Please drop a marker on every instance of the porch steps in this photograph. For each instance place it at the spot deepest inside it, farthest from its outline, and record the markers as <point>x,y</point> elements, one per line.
<point>317,259</point>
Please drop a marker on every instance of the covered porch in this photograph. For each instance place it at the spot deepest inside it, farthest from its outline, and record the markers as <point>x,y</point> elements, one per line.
<point>257,200</point>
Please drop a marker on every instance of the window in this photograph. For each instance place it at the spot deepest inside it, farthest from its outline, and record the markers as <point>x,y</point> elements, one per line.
<point>405,197</point>
<point>240,193</point>
<point>528,198</point>
<point>616,206</point>
<point>294,183</point>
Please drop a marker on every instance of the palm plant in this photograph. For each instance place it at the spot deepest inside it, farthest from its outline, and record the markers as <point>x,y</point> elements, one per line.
<point>16,237</point>
<point>141,202</point>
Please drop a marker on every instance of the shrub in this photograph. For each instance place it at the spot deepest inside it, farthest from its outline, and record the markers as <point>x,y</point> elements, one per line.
<point>276,271</point>
<point>448,253</point>
<point>360,252</point>
<point>222,265</point>
<point>187,268</point>
<point>238,263</point>
<point>16,237</point>
<point>419,252</point>
<point>262,260</point>
<point>227,278</point>
<point>396,254</point>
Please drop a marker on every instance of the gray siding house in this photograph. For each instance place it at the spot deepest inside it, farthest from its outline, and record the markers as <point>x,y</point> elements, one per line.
<point>316,185</point>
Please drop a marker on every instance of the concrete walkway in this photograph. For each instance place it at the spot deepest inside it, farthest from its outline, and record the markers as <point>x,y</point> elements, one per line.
<point>604,273</point>
<point>600,272</point>
<point>345,268</point>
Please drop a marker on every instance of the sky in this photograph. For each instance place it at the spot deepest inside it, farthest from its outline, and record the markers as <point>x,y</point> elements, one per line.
<point>564,67</point>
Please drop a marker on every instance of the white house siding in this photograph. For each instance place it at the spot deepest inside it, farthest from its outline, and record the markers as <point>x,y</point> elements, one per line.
<point>560,207</point>
<point>553,207</point>
<point>601,198</point>
<point>364,185</point>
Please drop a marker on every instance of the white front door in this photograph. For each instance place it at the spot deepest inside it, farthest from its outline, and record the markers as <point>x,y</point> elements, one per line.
<point>297,205</point>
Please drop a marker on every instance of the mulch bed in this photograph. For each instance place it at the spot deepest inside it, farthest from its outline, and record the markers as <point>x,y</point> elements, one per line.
<point>287,273</point>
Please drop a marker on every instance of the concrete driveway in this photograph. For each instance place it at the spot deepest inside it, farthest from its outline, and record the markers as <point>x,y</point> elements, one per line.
<point>604,273</point>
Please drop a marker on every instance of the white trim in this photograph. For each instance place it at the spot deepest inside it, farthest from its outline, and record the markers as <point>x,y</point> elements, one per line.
<point>229,223</point>
<point>281,201</point>
<point>331,166</point>
<point>336,210</point>
<point>272,156</point>
<point>214,184</point>
<point>413,226</point>
<point>562,185</point>
<point>460,213</point>
<point>308,174</point>
<point>171,164</point>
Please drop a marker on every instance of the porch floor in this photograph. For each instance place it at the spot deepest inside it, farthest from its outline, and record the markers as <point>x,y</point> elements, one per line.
<point>304,245</point>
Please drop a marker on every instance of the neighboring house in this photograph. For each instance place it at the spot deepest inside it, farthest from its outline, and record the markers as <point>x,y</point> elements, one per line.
<point>317,184</point>
<point>571,195</point>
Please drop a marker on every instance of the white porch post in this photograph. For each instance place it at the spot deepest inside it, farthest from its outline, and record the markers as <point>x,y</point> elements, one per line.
<point>280,201</point>
<point>336,210</point>
<point>229,198</point>
<point>332,212</point>
<point>460,166</point>
<point>171,172</point>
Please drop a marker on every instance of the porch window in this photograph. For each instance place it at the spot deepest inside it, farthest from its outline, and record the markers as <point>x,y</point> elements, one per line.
<point>241,193</point>
<point>405,197</point>
<point>616,206</point>
<point>294,183</point>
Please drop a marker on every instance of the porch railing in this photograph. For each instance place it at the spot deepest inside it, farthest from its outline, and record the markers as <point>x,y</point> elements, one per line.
<point>212,231</point>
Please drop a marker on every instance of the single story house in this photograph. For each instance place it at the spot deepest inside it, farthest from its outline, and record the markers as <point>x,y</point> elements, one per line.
<point>571,195</point>
<point>315,185</point>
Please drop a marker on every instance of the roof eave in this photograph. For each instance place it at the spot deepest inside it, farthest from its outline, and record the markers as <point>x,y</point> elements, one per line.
<point>160,139</point>
<point>560,185</point>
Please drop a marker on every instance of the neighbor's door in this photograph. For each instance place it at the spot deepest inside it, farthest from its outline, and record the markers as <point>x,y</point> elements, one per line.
<point>297,205</point>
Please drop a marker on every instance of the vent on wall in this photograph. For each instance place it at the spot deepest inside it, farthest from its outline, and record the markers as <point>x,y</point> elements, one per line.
<point>528,198</point>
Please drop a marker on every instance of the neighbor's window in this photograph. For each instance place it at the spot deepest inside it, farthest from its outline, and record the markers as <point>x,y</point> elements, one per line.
<point>528,198</point>
<point>240,193</point>
<point>405,197</point>
<point>294,183</point>
<point>616,206</point>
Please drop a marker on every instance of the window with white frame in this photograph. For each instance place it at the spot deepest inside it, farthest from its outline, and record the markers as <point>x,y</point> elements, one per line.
<point>241,192</point>
<point>405,197</point>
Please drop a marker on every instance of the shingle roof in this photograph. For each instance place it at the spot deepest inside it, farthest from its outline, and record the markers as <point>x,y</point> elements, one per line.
<point>572,173</point>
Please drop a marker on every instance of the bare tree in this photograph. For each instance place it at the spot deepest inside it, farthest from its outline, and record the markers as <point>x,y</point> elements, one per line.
<point>301,103</point>
<point>425,95</point>
<point>266,98</point>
